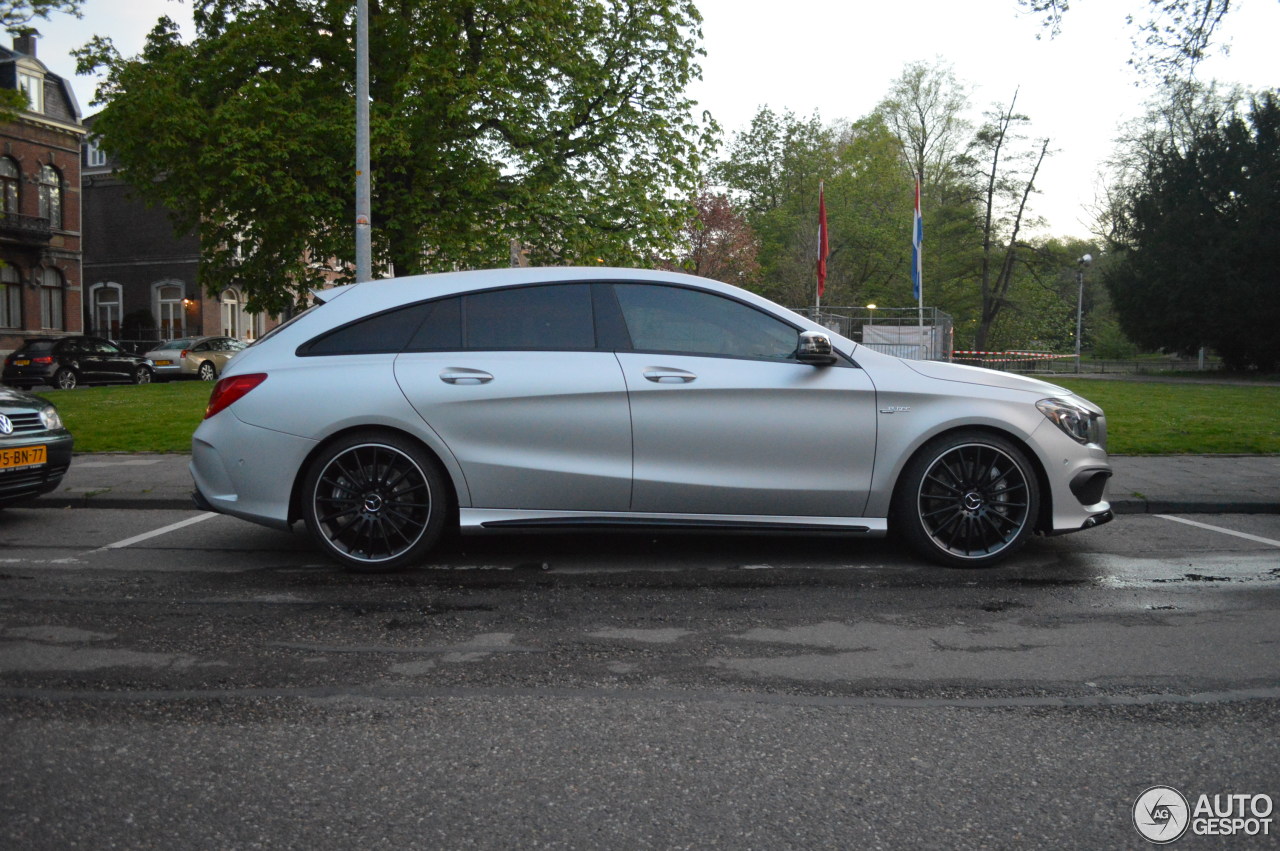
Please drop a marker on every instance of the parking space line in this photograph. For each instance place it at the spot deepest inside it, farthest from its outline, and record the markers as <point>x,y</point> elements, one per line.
<point>155,533</point>
<point>1244,535</point>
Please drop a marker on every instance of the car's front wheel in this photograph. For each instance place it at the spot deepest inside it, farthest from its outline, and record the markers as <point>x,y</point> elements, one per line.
<point>207,372</point>
<point>142,375</point>
<point>967,499</point>
<point>375,501</point>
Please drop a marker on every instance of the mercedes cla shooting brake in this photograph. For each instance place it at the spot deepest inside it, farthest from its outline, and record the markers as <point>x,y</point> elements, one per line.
<point>555,398</point>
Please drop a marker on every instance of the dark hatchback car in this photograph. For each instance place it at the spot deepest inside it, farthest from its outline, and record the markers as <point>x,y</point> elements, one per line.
<point>35,448</point>
<point>66,362</point>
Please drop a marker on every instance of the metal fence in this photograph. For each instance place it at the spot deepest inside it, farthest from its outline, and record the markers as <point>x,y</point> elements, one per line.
<point>904,332</point>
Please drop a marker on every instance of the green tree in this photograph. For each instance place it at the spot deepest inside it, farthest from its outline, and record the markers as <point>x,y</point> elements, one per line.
<point>562,124</point>
<point>1198,244</point>
<point>773,168</point>
<point>1008,178</point>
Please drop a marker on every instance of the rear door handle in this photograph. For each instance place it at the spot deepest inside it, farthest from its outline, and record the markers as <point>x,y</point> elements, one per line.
<point>462,375</point>
<point>666,375</point>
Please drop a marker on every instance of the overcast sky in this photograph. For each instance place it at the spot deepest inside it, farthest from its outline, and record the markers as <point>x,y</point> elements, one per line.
<point>838,59</point>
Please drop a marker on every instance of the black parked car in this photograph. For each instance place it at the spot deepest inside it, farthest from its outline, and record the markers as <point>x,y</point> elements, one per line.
<point>65,362</point>
<point>35,448</point>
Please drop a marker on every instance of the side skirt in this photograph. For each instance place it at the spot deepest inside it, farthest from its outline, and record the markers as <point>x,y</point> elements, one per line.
<point>481,520</point>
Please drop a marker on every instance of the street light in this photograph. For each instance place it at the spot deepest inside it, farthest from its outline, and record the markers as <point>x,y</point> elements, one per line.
<point>1081,265</point>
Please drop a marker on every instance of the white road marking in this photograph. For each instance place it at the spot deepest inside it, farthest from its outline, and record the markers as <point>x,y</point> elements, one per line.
<point>172,527</point>
<point>1244,535</point>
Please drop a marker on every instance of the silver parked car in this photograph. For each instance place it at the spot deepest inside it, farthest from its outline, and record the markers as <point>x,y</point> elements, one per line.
<point>557,398</point>
<point>193,357</point>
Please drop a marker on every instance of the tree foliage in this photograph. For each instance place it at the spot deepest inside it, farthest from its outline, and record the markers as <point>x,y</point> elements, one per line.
<point>773,168</point>
<point>562,124</point>
<point>718,242</point>
<point>1168,43</point>
<point>1198,244</point>
<point>17,15</point>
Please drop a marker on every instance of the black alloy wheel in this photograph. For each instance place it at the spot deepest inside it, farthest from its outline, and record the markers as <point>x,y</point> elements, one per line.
<point>375,501</point>
<point>142,375</point>
<point>968,500</point>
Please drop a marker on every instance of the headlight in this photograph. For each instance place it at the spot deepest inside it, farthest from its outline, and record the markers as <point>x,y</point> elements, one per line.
<point>1076,420</point>
<point>49,418</point>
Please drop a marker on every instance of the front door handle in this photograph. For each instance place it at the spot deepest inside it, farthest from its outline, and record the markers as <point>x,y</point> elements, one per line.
<point>462,375</point>
<point>666,375</point>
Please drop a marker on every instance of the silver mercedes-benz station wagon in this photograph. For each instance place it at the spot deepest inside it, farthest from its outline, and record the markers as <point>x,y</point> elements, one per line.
<point>563,398</point>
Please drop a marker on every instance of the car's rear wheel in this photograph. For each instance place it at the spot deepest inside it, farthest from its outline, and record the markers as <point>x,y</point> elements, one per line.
<point>65,379</point>
<point>142,375</point>
<point>968,499</point>
<point>207,372</point>
<point>375,501</point>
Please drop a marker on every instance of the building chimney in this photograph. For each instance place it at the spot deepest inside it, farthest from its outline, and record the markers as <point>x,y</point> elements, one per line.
<point>25,43</point>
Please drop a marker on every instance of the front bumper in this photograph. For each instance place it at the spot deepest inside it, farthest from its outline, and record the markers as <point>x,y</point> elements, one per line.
<point>28,483</point>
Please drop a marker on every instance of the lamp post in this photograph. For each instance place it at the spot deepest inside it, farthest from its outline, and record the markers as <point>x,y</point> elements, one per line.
<point>1081,265</point>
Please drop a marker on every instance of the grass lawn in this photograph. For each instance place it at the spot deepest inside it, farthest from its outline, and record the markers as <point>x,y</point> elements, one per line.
<point>128,418</point>
<point>1173,418</point>
<point>1143,417</point>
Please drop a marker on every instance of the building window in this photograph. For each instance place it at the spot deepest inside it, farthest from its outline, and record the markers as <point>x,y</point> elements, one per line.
<point>233,315</point>
<point>32,86</point>
<point>10,181</point>
<point>52,295</point>
<point>10,297</point>
<point>169,309</point>
<point>51,196</point>
<point>106,310</point>
<point>94,156</point>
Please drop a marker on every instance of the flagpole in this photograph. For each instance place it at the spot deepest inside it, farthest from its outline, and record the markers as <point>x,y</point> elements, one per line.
<point>918,240</point>
<point>822,253</point>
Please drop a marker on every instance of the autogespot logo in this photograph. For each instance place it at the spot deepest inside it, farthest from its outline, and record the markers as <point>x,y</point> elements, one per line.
<point>1161,815</point>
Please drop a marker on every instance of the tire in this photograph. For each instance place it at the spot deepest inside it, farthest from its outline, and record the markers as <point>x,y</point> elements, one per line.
<point>968,499</point>
<point>207,372</point>
<point>65,379</point>
<point>375,501</point>
<point>142,375</point>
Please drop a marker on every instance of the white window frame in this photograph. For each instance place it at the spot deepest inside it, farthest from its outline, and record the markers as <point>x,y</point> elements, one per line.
<point>114,310</point>
<point>170,313</point>
<point>32,85</point>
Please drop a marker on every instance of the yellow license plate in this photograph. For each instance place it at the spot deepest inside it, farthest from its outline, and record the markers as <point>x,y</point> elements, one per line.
<point>164,363</point>
<point>23,362</point>
<point>27,456</point>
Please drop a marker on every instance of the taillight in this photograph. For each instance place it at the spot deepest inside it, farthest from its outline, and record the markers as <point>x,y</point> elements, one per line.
<point>184,354</point>
<point>228,390</point>
<point>47,359</point>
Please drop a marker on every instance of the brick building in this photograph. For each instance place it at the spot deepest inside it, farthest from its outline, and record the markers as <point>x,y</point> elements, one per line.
<point>40,229</point>
<point>140,274</point>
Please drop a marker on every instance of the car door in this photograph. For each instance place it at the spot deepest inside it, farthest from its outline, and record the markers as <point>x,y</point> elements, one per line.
<point>726,421</point>
<point>113,362</point>
<point>534,411</point>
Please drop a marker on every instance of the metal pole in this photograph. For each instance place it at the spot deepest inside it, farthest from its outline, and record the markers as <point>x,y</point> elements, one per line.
<point>364,230</point>
<point>1082,264</point>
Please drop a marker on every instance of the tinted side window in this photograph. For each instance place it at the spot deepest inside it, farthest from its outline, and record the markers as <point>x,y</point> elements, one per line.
<point>674,319</point>
<point>554,317</point>
<point>441,330</point>
<point>381,333</point>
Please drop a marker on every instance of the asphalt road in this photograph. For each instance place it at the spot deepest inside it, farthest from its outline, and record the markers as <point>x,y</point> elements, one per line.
<point>170,679</point>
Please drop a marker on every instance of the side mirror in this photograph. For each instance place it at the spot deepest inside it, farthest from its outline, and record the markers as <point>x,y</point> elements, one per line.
<point>814,348</point>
